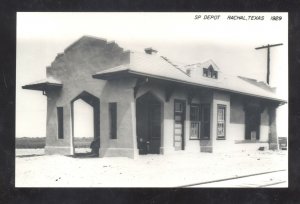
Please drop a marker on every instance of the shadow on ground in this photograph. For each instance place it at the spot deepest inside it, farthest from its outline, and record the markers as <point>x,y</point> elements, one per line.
<point>29,155</point>
<point>84,155</point>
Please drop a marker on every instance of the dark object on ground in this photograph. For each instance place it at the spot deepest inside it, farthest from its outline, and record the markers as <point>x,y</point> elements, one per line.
<point>261,148</point>
<point>95,145</point>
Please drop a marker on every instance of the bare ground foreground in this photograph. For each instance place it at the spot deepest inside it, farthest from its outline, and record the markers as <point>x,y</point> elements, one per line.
<point>35,169</point>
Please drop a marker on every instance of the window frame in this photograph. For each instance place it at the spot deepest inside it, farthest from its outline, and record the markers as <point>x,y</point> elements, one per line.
<point>113,120</point>
<point>210,73</point>
<point>200,121</point>
<point>221,106</point>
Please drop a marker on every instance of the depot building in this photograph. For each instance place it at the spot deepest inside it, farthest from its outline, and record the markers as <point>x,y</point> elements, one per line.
<point>143,103</point>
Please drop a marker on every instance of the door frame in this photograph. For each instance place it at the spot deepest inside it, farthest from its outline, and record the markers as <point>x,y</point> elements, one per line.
<point>161,117</point>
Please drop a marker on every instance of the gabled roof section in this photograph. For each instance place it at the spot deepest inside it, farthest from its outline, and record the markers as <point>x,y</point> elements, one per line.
<point>44,84</point>
<point>146,64</point>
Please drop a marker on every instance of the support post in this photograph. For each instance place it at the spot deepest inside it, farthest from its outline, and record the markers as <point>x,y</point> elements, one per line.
<point>273,140</point>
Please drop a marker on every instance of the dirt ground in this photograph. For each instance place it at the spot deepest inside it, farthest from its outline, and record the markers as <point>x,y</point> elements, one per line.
<point>35,169</point>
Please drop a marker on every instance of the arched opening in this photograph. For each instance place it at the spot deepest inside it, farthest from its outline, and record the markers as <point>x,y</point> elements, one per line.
<point>148,124</point>
<point>86,124</point>
<point>83,126</point>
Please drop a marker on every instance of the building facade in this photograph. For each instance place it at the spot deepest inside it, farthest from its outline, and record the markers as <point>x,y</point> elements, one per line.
<point>145,104</point>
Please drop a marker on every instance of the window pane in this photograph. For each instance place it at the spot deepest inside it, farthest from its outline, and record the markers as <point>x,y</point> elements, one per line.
<point>194,113</point>
<point>195,130</point>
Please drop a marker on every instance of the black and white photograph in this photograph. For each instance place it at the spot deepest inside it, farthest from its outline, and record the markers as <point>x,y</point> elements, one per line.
<point>151,99</point>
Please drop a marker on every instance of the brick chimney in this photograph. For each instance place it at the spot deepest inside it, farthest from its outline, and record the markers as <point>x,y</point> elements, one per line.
<point>149,50</point>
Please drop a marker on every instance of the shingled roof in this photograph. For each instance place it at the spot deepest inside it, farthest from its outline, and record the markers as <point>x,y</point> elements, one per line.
<point>156,66</point>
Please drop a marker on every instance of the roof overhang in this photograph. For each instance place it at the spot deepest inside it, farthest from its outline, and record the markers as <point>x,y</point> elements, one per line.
<point>106,75</point>
<point>111,75</point>
<point>43,85</point>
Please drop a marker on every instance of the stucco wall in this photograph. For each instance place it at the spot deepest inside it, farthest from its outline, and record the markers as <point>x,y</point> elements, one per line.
<point>74,68</point>
<point>235,125</point>
<point>264,126</point>
<point>221,98</point>
<point>237,119</point>
<point>121,92</point>
<point>54,145</point>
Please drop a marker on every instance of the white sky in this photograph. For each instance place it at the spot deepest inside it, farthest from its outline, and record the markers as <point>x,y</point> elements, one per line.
<point>178,36</point>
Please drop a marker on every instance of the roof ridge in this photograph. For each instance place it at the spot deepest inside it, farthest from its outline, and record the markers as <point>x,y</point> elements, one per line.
<point>174,65</point>
<point>211,61</point>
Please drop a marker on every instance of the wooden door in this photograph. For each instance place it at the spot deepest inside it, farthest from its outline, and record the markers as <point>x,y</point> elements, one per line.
<point>154,128</point>
<point>148,124</point>
<point>179,118</point>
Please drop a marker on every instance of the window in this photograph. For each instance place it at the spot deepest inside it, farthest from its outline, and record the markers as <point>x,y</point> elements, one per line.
<point>60,122</point>
<point>221,121</point>
<point>200,122</point>
<point>210,72</point>
<point>113,120</point>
